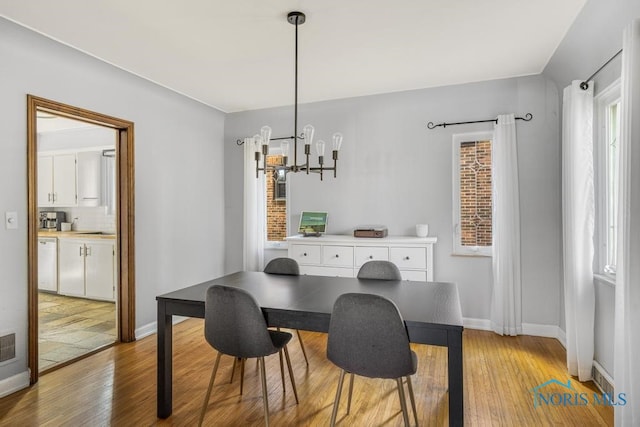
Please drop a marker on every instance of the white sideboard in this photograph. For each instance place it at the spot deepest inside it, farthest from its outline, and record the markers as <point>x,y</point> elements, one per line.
<point>342,255</point>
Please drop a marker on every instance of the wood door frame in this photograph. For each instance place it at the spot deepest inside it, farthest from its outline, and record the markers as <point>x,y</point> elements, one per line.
<point>125,243</point>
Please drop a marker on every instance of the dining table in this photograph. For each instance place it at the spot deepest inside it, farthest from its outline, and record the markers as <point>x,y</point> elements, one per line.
<point>431,312</point>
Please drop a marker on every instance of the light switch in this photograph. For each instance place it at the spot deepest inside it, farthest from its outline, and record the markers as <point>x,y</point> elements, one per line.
<point>11,220</point>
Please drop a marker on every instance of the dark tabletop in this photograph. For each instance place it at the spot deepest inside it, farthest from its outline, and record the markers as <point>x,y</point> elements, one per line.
<point>420,302</point>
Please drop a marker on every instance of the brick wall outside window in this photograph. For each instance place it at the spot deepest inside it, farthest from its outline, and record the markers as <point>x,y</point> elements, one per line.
<point>475,193</point>
<point>276,209</point>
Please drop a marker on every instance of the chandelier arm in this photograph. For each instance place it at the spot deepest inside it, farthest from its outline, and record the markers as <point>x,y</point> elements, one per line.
<point>282,138</point>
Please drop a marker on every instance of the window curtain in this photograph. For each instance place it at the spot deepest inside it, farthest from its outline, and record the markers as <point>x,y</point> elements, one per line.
<point>254,211</point>
<point>577,224</point>
<point>626,370</point>
<point>506,301</point>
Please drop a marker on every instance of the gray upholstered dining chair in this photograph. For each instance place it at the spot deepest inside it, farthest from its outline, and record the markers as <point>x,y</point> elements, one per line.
<point>381,270</point>
<point>235,325</point>
<point>287,266</point>
<point>283,265</point>
<point>367,337</point>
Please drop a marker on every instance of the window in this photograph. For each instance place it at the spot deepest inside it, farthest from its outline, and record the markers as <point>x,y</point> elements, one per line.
<point>472,194</point>
<point>276,201</point>
<point>606,167</point>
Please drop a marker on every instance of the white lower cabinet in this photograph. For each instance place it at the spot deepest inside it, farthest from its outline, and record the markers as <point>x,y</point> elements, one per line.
<point>371,253</point>
<point>87,268</point>
<point>337,256</point>
<point>48,264</point>
<point>341,255</point>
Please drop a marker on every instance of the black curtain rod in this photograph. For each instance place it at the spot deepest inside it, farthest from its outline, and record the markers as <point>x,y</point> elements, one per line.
<point>585,84</point>
<point>527,117</point>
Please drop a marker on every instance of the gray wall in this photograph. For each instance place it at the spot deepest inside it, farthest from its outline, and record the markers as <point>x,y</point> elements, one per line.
<point>394,171</point>
<point>178,162</point>
<point>594,37</point>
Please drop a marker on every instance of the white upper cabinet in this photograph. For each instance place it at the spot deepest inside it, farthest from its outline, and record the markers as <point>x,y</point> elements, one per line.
<point>89,178</point>
<point>57,180</point>
<point>45,180</point>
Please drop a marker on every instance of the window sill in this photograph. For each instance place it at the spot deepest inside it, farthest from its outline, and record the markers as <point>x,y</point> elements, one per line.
<point>471,255</point>
<point>276,245</point>
<point>605,279</point>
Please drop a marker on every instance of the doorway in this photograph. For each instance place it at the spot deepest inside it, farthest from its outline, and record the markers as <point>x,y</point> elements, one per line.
<point>122,205</point>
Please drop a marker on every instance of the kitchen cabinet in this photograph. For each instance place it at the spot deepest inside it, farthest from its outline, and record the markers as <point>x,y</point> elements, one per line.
<point>57,180</point>
<point>342,255</point>
<point>89,178</point>
<point>48,264</point>
<point>87,268</point>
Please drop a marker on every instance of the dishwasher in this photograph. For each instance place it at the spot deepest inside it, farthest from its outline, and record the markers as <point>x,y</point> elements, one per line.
<point>48,264</point>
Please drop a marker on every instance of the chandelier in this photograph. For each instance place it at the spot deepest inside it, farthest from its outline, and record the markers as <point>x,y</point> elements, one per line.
<point>263,139</point>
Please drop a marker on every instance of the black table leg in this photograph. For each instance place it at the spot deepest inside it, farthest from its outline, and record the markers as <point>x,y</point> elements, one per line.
<point>165,365</point>
<point>456,396</point>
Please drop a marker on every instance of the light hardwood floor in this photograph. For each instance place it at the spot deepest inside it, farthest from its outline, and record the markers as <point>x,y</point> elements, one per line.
<point>117,387</point>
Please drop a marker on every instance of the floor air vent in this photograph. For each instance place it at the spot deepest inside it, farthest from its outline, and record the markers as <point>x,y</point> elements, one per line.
<point>601,381</point>
<point>7,347</point>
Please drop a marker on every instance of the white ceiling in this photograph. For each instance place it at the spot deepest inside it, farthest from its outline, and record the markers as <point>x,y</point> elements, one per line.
<point>238,54</point>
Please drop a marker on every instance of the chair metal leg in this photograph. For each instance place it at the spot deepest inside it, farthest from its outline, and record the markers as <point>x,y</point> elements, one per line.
<point>350,393</point>
<point>336,403</point>
<point>293,381</point>
<point>265,397</point>
<point>403,401</point>
<point>242,374</point>
<point>233,369</point>
<point>413,399</point>
<point>304,352</point>
<point>284,387</point>
<point>206,399</point>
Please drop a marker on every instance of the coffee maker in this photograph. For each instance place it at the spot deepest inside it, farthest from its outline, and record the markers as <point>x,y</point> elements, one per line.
<point>51,220</point>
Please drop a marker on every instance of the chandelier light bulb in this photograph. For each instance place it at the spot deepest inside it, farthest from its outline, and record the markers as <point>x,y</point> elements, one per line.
<point>257,141</point>
<point>265,133</point>
<point>337,141</point>
<point>284,147</point>
<point>320,147</point>
<point>308,131</point>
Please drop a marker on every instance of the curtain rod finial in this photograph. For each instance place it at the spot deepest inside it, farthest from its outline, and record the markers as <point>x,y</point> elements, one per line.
<point>584,85</point>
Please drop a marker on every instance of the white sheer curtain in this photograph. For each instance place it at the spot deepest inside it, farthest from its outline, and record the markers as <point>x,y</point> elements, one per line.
<point>254,211</point>
<point>626,370</point>
<point>577,225</point>
<point>506,300</point>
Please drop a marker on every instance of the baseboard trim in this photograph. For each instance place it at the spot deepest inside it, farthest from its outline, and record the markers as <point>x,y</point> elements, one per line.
<point>480,324</point>
<point>537,330</point>
<point>15,383</point>
<point>152,328</point>
<point>534,329</point>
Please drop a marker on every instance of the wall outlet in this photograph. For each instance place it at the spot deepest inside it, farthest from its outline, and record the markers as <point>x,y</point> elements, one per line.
<point>11,220</point>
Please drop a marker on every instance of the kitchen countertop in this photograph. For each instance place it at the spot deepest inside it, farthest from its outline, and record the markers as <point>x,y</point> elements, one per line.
<point>84,234</point>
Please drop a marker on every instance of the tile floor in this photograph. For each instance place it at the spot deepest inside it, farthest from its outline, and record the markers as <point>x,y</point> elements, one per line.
<point>70,327</point>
